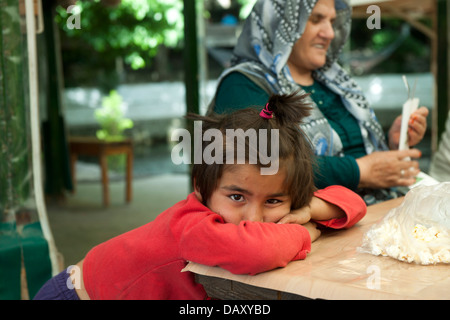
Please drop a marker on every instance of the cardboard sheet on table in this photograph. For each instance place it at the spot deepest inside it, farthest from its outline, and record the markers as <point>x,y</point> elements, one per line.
<point>335,270</point>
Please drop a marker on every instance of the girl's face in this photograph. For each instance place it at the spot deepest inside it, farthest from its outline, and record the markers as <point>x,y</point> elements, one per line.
<point>244,194</point>
<point>309,52</point>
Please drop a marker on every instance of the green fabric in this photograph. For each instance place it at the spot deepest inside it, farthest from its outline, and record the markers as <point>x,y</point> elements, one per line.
<point>10,262</point>
<point>236,91</point>
<point>330,171</point>
<point>36,257</point>
<point>32,246</point>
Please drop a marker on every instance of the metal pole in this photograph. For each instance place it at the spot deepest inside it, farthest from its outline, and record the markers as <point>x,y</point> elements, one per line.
<point>191,66</point>
<point>442,106</point>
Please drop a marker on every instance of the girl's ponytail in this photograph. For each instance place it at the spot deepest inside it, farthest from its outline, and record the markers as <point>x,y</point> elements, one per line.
<point>288,109</point>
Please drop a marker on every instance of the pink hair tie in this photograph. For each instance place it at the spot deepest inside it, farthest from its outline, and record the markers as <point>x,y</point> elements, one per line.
<point>266,113</point>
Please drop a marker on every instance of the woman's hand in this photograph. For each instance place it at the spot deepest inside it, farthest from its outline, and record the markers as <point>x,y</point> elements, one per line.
<point>384,169</point>
<point>417,127</point>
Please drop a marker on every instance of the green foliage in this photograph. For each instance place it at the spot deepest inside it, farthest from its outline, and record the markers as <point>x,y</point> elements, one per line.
<point>413,55</point>
<point>111,118</point>
<point>132,30</point>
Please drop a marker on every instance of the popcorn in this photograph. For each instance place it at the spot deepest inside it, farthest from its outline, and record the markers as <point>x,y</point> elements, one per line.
<point>417,231</point>
<point>423,233</point>
<point>386,240</point>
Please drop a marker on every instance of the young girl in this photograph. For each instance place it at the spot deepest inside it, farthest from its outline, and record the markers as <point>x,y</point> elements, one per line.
<point>236,218</point>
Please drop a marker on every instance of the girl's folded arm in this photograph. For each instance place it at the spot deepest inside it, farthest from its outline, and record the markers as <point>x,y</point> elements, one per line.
<point>247,248</point>
<point>351,205</point>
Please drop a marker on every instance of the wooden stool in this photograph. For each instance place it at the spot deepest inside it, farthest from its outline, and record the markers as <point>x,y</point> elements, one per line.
<point>102,149</point>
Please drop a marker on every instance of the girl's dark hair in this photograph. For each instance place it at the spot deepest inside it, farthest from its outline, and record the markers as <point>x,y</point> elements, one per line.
<point>295,153</point>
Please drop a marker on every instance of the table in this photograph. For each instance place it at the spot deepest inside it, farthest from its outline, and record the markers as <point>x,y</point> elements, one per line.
<point>334,270</point>
<point>102,149</point>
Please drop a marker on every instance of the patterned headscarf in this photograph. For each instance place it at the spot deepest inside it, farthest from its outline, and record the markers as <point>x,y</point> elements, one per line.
<point>262,52</point>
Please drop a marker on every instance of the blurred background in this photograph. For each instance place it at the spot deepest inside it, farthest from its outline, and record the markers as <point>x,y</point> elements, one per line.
<point>129,70</point>
<point>137,48</point>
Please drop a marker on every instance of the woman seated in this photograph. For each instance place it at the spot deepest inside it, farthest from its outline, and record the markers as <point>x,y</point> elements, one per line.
<point>284,46</point>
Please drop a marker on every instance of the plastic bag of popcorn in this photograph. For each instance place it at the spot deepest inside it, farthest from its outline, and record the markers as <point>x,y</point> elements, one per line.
<point>416,231</point>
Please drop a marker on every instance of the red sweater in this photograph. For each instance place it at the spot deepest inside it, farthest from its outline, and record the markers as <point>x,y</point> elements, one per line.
<point>145,263</point>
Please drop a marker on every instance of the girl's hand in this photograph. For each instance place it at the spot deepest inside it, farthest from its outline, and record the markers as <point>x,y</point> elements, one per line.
<point>314,233</point>
<point>317,209</point>
<point>302,216</point>
<point>298,216</point>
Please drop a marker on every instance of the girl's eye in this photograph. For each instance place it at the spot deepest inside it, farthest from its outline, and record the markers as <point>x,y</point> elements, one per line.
<point>237,197</point>
<point>273,201</point>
